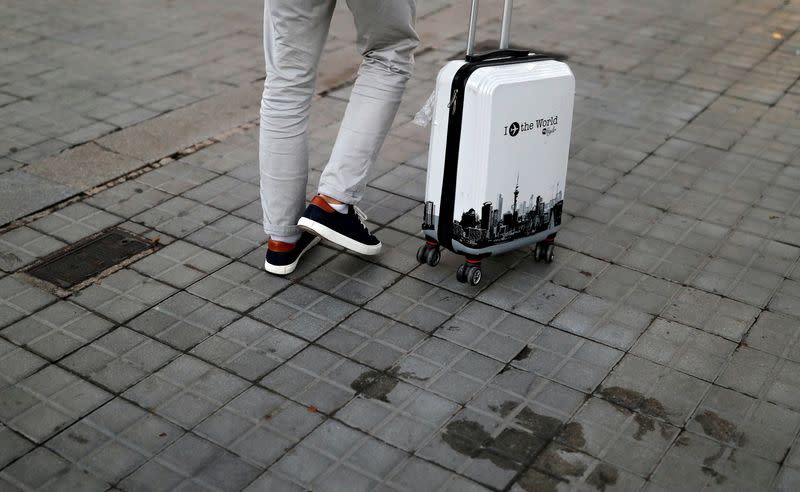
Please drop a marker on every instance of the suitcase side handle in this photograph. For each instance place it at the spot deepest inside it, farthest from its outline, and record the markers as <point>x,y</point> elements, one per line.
<point>505,31</point>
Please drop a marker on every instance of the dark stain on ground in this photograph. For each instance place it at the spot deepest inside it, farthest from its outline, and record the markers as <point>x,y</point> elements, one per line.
<point>711,460</point>
<point>465,436</point>
<point>375,384</point>
<point>602,476</point>
<point>720,429</point>
<point>572,435</point>
<point>637,402</point>
<point>523,354</point>
<point>553,463</point>
<point>718,477</point>
<point>682,441</point>
<point>536,481</point>
<point>512,446</point>
<point>585,273</point>
<point>646,424</point>
<point>77,438</point>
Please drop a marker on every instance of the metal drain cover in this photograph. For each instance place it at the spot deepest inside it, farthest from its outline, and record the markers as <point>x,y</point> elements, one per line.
<point>85,259</point>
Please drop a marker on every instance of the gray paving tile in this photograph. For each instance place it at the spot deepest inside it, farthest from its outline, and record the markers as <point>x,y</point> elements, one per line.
<point>317,378</point>
<point>398,251</point>
<point>763,375</point>
<point>224,192</point>
<point>12,446</point>
<point>444,274</point>
<point>788,479</point>
<point>756,426</point>
<point>230,236</point>
<point>787,298</point>
<point>697,462</point>
<point>418,304</point>
<point>180,264</point>
<point>20,299</point>
<point>372,339</point>
<point>489,331</point>
<point>654,390</point>
<point>191,463</point>
<point>684,348</point>
<point>44,403</point>
<point>176,177</point>
<point>249,348</point>
<point>335,457</point>
<point>186,391</point>
<point>24,193</point>
<point>568,359</point>
<point>75,222</point>
<point>238,286</point>
<point>16,363</point>
<point>259,426</point>
<point>447,369</point>
<point>178,216</point>
<point>128,199</point>
<point>57,330</point>
<point>183,320</point>
<point>528,296</point>
<point>114,440</point>
<point>42,469</point>
<point>123,295</point>
<point>775,334</point>
<point>303,312</point>
<point>351,278</point>
<point>119,359</point>
<point>603,321</point>
<point>395,412</point>
<point>717,315</point>
<point>634,289</point>
<point>22,246</point>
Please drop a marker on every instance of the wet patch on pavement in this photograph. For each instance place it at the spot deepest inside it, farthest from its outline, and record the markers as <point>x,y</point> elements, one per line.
<point>643,407</point>
<point>376,384</point>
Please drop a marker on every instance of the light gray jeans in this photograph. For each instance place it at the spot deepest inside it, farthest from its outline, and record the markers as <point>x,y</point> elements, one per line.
<point>294,35</point>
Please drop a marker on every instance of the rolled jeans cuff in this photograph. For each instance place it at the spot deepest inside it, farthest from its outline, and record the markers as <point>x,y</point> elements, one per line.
<point>344,197</point>
<point>277,230</point>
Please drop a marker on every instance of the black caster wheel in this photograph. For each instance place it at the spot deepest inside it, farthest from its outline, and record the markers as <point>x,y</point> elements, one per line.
<point>537,252</point>
<point>474,275</point>
<point>461,273</point>
<point>432,256</point>
<point>550,253</point>
<point>421,253</point>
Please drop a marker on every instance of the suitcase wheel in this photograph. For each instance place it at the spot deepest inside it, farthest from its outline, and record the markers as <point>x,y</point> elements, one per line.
<point>429,254</point>
<point>469,273</point>
<point>544,251</point>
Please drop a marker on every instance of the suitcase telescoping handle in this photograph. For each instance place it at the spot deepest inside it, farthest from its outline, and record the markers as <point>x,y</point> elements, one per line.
<point>505,31</point>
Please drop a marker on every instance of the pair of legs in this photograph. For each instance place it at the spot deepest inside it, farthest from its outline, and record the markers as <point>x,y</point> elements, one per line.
<point>294,36</point>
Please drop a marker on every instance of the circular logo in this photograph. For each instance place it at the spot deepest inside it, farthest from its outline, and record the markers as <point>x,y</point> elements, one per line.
<point>513,129</point>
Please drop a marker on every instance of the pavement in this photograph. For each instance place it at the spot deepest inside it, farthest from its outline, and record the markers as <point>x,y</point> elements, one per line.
<point>660,351</point>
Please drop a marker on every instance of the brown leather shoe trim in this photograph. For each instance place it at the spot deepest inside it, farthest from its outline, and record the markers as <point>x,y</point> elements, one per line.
<point>321,203</point>
<point>279,246</point>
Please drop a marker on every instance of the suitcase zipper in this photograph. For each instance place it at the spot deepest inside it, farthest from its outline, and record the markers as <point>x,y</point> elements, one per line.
<point>453,102</point>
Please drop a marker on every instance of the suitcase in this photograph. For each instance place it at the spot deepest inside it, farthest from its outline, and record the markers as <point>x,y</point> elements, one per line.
<point>497,162</point>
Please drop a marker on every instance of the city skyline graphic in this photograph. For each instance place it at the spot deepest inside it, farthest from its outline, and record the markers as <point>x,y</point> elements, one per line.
<point>494,224</point>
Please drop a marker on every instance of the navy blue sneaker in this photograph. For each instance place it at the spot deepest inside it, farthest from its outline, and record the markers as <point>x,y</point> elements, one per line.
<point>282,257</point>
<point>345,229</point>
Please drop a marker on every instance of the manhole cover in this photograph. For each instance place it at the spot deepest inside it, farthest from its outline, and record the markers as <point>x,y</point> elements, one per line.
<point>486,46</point>
<point>85,259</point>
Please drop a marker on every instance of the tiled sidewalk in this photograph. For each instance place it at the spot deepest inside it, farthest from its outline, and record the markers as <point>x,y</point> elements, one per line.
<point>660,351</point>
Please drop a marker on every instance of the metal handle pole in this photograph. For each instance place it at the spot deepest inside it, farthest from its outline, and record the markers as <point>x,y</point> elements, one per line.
<point>473,23</point>
<point>506,29</point>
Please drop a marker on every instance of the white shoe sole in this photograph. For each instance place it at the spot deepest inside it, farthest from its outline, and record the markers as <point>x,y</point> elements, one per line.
<point>336,238</point>
<point>287,269</point>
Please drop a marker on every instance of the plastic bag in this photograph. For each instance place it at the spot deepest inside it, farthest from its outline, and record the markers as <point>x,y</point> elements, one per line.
<point>425,114</point>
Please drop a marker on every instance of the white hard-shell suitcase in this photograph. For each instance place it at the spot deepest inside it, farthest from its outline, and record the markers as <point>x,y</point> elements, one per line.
<point>499,147</point>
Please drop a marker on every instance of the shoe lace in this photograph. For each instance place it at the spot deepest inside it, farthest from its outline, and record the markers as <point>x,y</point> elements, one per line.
<point>362,217</point>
